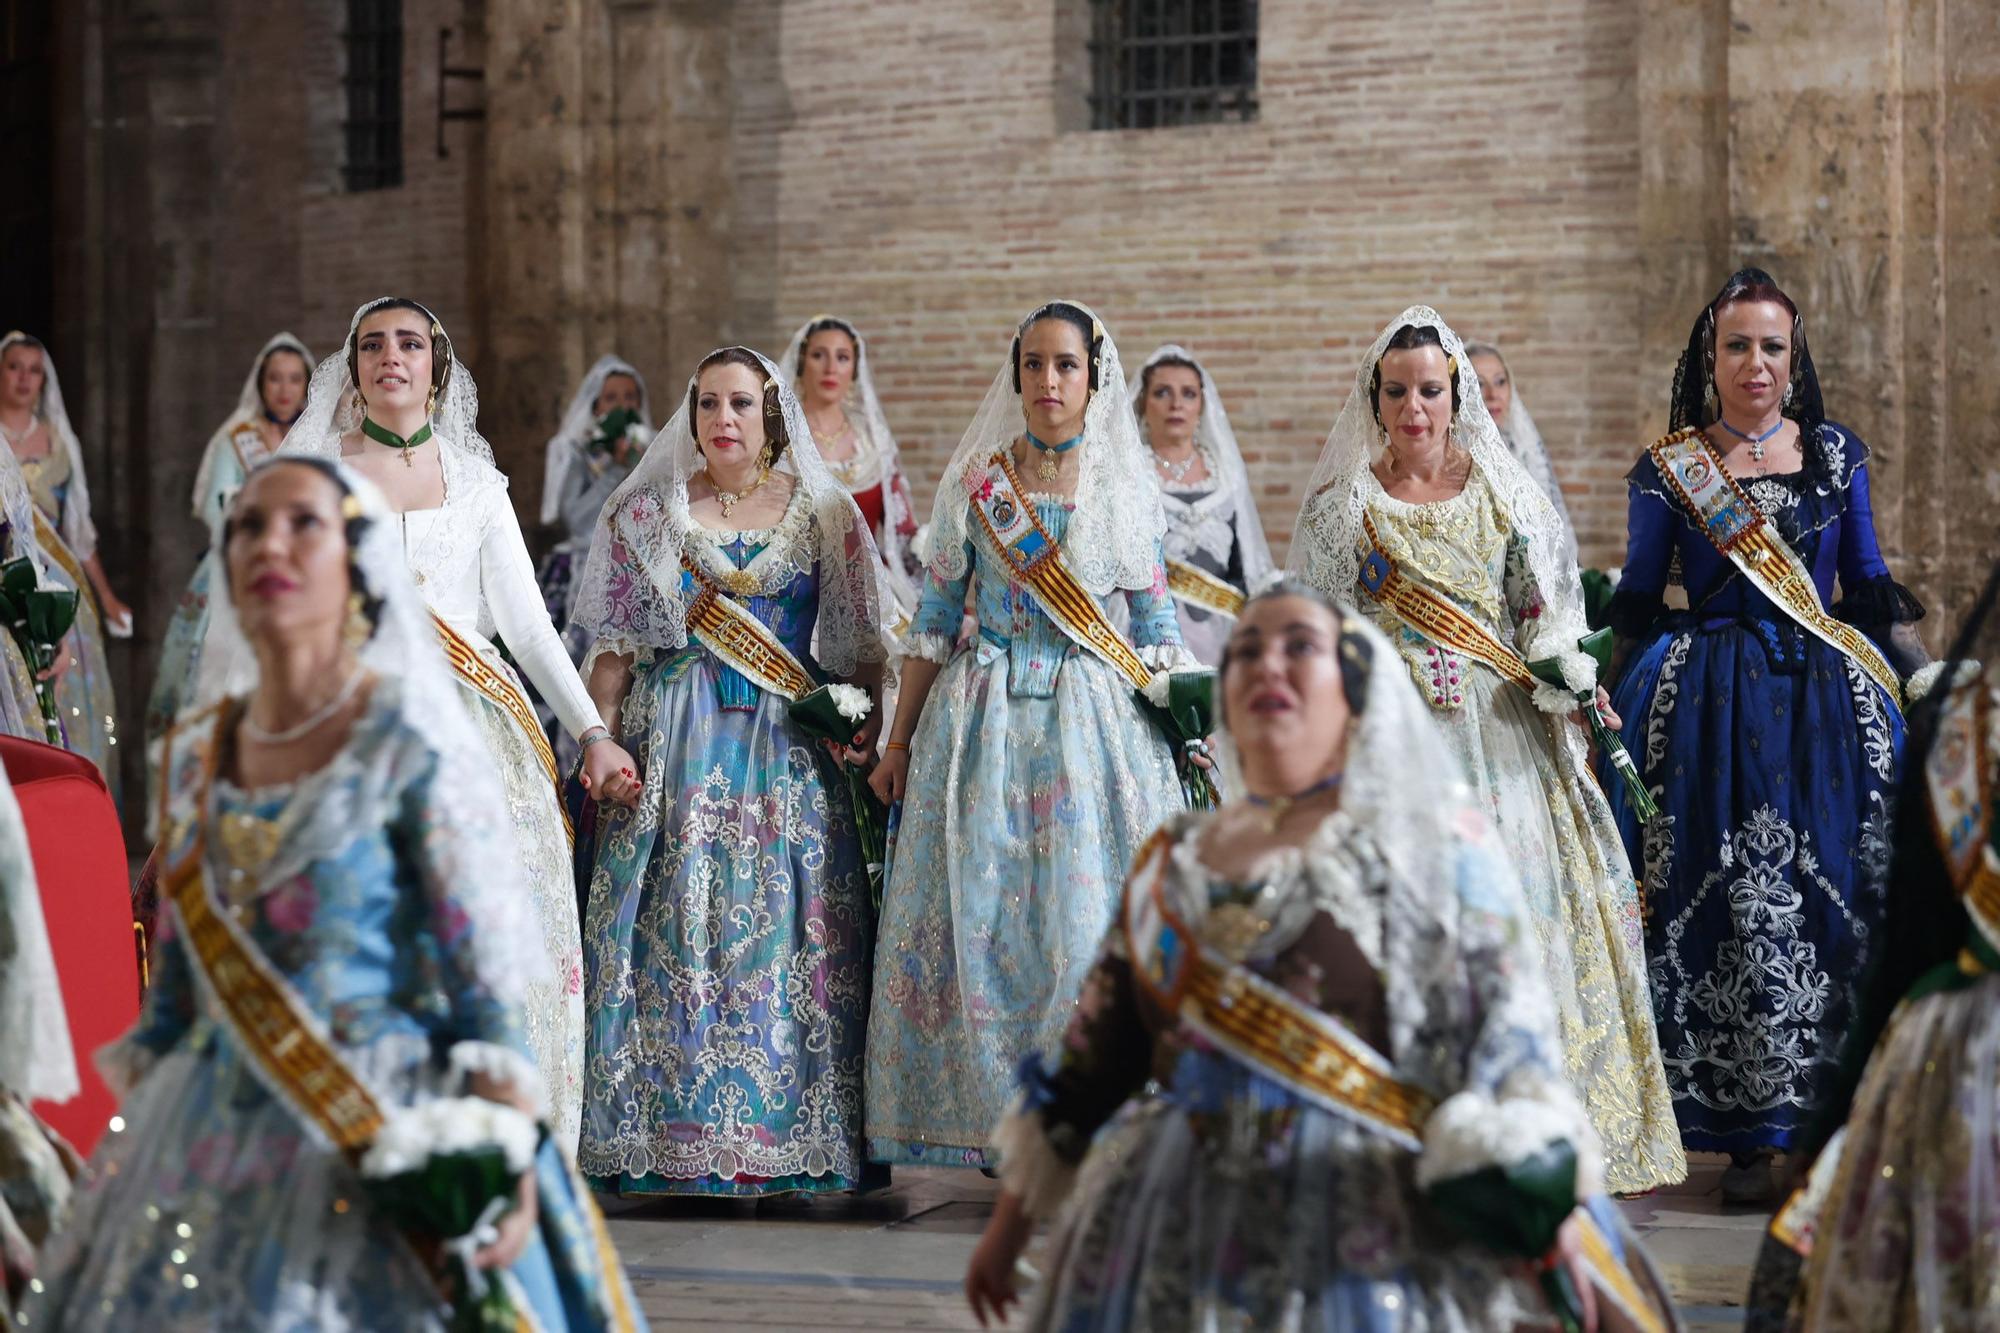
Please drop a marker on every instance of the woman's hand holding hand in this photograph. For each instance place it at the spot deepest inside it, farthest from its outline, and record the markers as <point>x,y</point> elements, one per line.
<point>610,773</point>
<point>889,776</point>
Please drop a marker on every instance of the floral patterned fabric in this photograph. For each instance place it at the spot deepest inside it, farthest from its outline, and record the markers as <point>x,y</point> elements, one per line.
<point>212,1205</point>
<point>1529,771</point>
<point>1219,1198</point>
<point>1034,778</point>
<point>1773,759</point>
<point>727,936</point>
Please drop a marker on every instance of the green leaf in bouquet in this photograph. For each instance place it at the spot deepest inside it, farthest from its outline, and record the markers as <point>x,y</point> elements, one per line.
<point>819,716</point>
<point>1597,646</point>
<point>50,613</point>
<point>1188,714</point>
<point>1514,1209</point>
<point>612,426</point>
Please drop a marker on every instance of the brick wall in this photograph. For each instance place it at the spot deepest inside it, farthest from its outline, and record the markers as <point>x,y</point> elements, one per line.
<point>1479,157</point>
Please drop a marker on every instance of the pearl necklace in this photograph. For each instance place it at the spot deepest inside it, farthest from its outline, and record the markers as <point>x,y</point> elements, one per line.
<point>313,720</point>
<point>1172,473</point>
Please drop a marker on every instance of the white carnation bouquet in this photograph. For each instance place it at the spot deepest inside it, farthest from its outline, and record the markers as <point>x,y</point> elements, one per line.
<point>445,1171</point>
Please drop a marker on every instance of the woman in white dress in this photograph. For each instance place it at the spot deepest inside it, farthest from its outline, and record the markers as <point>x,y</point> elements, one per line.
<point>395,405</point>
<point>1214,536</point>
<point>1420,518</point>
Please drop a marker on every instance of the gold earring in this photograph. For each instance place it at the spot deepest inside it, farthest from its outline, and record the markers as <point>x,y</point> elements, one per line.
<point>355,631</point>
<point>431,403</point>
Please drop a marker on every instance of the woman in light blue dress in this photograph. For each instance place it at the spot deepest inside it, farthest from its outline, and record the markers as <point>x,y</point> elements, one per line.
<point>337,844</point>
<point>1028,771</point>
<point>270,401</point>
<point>726,941</point>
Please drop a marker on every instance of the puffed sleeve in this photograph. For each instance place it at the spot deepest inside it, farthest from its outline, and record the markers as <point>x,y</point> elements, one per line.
<point>1651,529</point>
<point>1870,598</point>
<point>507,579</point>
<point>1156,626</point>
<point>940,607</point>
<point>480,944</point>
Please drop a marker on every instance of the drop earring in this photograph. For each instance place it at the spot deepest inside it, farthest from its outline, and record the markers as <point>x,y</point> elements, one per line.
<point>354,631</point>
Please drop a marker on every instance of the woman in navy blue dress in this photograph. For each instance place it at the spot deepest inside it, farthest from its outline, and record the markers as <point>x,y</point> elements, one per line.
<point>1766,720</point>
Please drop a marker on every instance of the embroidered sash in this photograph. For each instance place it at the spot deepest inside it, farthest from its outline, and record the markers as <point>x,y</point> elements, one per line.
<point>1435,617</point>
<point>727,629</point>
<point>1737,529</point>
<point>1310,1052</point>
<point>1035,559</point>
<point>1195,585</point>
<point>58,550</point>
<point>504,692</point>
<point>267,1018</point>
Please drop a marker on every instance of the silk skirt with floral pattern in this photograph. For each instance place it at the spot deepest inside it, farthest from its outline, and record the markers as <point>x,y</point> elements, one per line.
<point>1557,827</point>
<point>1021,820</point>
<point>727,951</point>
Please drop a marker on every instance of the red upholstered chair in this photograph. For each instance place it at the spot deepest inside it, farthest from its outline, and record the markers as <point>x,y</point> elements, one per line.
<point>79,853</point>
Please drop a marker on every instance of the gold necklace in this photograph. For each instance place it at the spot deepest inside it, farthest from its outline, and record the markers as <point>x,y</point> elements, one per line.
<point>730,499</point>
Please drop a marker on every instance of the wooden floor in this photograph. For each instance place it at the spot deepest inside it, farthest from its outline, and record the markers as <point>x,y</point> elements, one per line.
<point>893,1260</point>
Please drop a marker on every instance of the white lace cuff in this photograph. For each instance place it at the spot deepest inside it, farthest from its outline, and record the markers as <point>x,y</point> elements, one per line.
<point>928,647</point>
<point>505,1066</point>
<point>1030,1167</point>
<point>123,1063</point>
<point>1169,657</point>
<point>613,646</point>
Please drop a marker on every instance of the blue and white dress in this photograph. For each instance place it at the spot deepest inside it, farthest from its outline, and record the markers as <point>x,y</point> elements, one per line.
<point>1773,757</point>
<point>1034,778</point>
<point>726,942</point>
<point>211,1204</point>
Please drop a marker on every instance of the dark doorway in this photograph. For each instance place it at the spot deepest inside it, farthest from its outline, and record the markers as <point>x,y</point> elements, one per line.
<point>27,158</point>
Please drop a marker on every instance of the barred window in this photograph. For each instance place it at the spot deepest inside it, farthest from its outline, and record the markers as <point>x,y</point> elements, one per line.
<point>374,95</point>
<point>1156,63</point>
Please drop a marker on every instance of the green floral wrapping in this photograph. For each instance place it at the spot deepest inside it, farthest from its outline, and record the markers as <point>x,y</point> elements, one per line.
<point>819,715</point>
<point>1184,709</point>
<point>1516,1210</point>
<point>38,618</point>
<point>1597,644</point>
<point>611,428</point>
<point>453,1195</point>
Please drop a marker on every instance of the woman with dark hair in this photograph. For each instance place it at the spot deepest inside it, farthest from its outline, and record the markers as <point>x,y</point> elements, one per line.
<point>1215,543</point>
<point>1312,1004</point>
<point>344,953</point>
<point>1766,725</point>
<point>727,938</point>
<point>397,406</point>
<point>1420,516</point>
<point>37,428</point>
<point>1029,773</point>
<point>834,377</point>
<point>273,395</point>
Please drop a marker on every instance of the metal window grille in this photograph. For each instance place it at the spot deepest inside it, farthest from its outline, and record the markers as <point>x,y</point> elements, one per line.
<point>374,95</point>
<point>1156,63</point>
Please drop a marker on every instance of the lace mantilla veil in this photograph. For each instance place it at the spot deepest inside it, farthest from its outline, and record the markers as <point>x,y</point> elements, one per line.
<point>402,653</point>
<point>1524,438</point>
<point>37,1061</point>
<point>1217,440</point>
<point>1326,551</point>
<point>333,411</point>
<point>17,510</point>
<point>873,424</point>
<point>651,511</point>
<point>78,532</point>
<point>579,422</point>
<point>249,408</point>
<point>1114,534</point>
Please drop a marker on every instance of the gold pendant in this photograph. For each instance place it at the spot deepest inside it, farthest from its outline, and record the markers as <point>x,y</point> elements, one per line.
<point>1232,930</point>
<point>247,841</point>
<point>1049,468</point>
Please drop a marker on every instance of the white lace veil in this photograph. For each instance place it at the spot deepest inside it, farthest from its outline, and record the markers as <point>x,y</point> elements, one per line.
<point>333,409</point>
<point>1326,550</point>
<point>17,510</point>
<point>37,1061</point>
<point>1217,441</point>
<point>651,511</point>
<point>1519,431</point>
<point>402,651</point>
<point>872,424</point>
<point>579,423</point>
<point>78,532</point>
<point>249,408</point>
<point>1113,537</point>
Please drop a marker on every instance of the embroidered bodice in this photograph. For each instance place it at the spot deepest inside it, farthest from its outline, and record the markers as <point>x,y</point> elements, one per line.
<point>774,574</point>
<point>1012,623</point>
<point>472,567</point>
<point>1823,512</point>
<point>1464,549</point>
<point>48,482</point>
